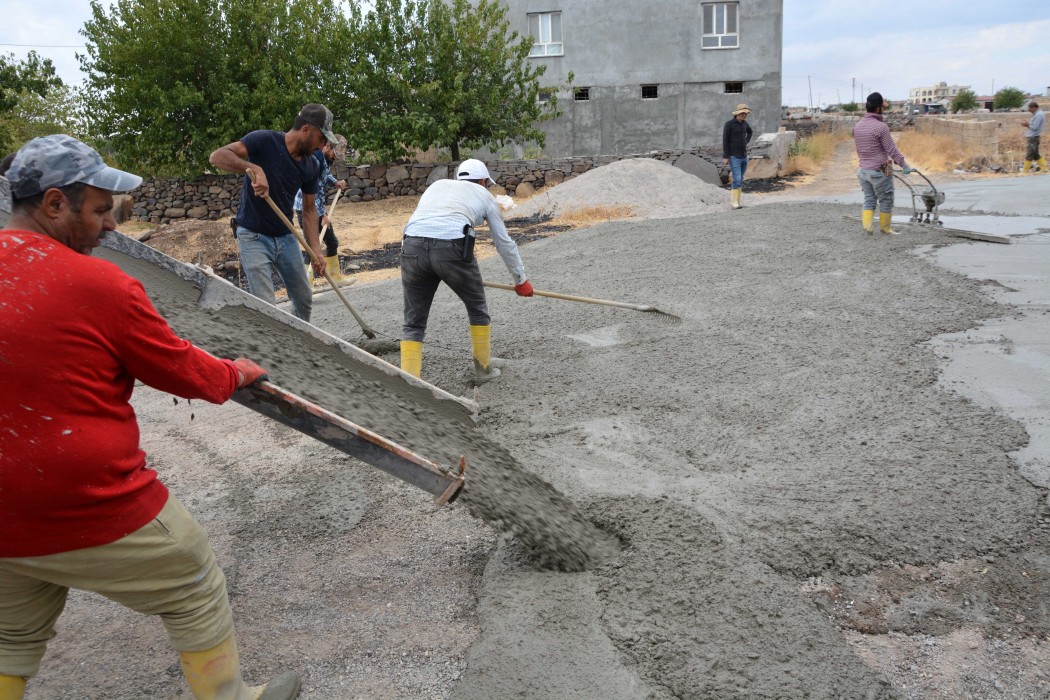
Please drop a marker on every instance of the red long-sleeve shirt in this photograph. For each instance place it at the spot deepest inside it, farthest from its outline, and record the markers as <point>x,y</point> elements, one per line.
<point>75,334</point>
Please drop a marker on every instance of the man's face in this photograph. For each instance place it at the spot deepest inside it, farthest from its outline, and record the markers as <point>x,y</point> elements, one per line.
<point>81,230</point>
<point>314,140</point>
<point>1032,108</point>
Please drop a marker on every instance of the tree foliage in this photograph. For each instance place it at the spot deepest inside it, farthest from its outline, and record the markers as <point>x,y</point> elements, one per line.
<point>171,80</point>
<point>1009,98</point>
<point>23,86</point>
<point>964,100</point>
<point>446,74</point>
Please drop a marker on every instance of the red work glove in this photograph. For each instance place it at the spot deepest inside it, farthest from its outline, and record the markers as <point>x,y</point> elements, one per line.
<point>524,289</point>
<point>248,372</point>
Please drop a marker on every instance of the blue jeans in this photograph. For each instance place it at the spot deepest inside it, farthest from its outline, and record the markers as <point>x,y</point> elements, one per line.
<point>261,255</point>
<point>427,262</point>
<point>877,187</point>
<point>738,166</point>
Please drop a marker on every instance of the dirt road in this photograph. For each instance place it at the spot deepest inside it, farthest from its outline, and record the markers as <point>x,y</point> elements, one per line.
<point>804,511</point>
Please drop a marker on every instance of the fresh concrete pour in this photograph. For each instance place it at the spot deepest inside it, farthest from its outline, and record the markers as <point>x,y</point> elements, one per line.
<point>782,469</point>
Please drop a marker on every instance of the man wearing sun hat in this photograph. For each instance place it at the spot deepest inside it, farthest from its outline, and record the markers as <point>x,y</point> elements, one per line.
<point>735,136</point>
<point>438,246</point>
<point>79,505</point>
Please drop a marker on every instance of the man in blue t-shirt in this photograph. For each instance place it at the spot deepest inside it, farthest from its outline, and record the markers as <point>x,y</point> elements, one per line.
<point>283,164</point>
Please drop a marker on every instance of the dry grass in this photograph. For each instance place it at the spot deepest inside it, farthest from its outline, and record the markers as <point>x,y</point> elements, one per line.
<point>594,215</point>
<point>809,154</point>
<point>933,153</point>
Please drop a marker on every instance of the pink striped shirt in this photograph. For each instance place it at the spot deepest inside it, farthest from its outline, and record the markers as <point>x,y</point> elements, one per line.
<point>874,144</point>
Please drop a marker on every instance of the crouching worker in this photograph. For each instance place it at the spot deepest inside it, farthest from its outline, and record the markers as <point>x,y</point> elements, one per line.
<point>438,246</point>
<point>79,507</point>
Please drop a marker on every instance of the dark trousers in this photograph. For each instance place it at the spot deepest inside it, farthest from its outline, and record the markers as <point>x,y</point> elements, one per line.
<point>425,263</point>
<point>331,243</point>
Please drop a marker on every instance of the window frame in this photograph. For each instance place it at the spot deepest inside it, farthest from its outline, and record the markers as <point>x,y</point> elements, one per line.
<point>545,23</point>
<point>722,15</point>
<point>581,94</point>
<point>655,88</point>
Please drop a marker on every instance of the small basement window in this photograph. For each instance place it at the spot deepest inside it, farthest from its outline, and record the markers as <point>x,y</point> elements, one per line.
<point>650,92</point>
<point>543,96</point>
<point>582,94</point>
<point>734,88</point>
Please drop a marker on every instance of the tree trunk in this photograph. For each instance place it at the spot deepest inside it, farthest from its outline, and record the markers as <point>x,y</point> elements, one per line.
<point>455,151</point>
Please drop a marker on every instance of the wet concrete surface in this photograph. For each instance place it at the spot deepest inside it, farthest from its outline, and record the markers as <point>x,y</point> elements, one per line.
<point>801,486</point>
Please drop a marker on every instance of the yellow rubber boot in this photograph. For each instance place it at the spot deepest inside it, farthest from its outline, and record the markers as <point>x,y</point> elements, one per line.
<point>735,195</point>
<point>12,687</point>
<point>1027,166</point>
<point>310,273</point>
<point>885,219</point>
<point>412,357</point>
<point>1042,165</point>
<point>333,269</point>
<point>867,220</point>
<point>215,674</point>
<point>481,346</point>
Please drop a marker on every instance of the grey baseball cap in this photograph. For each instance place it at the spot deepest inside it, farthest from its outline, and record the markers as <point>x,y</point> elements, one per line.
<point>59,160</point>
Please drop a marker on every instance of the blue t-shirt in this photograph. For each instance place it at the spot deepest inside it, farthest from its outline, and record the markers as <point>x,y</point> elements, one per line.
<point>286,176</point>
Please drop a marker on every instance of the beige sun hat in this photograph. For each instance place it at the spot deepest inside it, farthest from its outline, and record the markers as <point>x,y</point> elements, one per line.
<point>741,109</point>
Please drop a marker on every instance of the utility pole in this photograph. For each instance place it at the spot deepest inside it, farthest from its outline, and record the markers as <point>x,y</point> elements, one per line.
<point>854,98</point>
<point>810,79</point>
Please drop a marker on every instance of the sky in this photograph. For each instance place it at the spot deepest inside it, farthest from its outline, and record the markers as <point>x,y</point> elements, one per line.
<point>834,50</point>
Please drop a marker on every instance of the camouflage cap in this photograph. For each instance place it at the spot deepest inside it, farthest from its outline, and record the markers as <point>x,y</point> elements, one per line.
<point>59,160</point>
<point>319,117</point>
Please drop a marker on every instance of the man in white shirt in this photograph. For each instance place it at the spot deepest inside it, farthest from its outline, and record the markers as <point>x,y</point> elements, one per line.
<point>438,246</point>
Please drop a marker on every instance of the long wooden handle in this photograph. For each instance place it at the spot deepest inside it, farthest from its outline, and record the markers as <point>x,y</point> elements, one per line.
<point>569,297</point>
<point>313,256</point>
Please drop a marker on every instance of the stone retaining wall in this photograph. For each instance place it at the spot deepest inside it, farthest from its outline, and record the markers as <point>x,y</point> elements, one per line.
<point>978,136</point>
<point>163,200</point>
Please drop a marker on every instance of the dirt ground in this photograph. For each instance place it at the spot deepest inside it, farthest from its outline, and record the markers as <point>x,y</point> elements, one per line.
<point>803,511</point>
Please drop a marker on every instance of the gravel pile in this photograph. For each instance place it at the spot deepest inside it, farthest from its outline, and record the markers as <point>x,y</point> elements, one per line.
<point>653,189</point>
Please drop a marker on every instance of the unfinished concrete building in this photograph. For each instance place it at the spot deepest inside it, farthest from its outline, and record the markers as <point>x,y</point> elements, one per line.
<point>656,74</point>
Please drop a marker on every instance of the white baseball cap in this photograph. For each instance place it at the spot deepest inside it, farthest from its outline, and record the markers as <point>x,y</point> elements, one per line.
<point>472,169</point>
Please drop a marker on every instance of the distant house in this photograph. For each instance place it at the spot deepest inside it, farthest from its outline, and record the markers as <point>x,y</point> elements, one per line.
<point>941,94</point>
<point>655,74</point>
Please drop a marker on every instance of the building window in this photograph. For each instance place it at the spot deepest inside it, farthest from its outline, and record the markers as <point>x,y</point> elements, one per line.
<point>720,30</point>
<point>650,92</point>
<point>581,94</point>
<point>545,30</point>
<point>544,96</point>
<point>734,88</point>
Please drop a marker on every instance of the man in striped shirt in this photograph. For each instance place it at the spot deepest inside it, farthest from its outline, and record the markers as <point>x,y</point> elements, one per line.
<point>877,154</point>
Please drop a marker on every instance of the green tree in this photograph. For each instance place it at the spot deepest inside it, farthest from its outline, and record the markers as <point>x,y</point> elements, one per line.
<point>965,100</point>
<point>171,80</point>
<point>447,74</point>
<point>1009,98</point>
<point>850,107</point>
<point>22,84</point>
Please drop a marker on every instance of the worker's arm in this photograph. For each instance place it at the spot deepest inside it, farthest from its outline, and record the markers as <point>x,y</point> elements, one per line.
<point>233,158</point>
<point>310,231</point>
<point>505,245</point>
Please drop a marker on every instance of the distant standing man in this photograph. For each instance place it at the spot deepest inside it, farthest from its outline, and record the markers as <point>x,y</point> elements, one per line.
<point>438,246</point>
<point>877,154</point>
<point>283,163</point>
<point>736,134</point>
<point>1032,136</point>
<point>79,505</point>
<point>325,157</point>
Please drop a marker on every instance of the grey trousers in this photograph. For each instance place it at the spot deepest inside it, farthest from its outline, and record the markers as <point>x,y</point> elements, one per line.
<point>425,263</point>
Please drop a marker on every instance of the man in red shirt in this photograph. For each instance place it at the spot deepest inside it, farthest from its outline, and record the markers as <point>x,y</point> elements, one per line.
<point>79,507</point>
